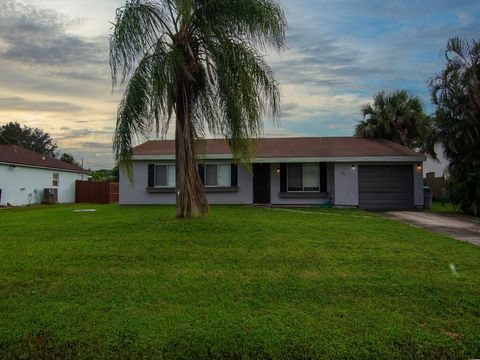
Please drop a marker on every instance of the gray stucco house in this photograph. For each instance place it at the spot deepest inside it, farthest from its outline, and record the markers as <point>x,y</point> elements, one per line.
<point>342,171</point>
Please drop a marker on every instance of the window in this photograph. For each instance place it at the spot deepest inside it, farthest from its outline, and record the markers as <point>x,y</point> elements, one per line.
<point>164,175</point>
<point>216,175</point>
<point>303,177</point>
<point>211,175</point>
<point>55,179</point>
<point>311,177</point>
<point>295,177</point>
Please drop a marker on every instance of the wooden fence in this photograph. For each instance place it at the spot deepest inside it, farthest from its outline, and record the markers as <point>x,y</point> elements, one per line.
<point>436,185</point>
<point>96,192</point>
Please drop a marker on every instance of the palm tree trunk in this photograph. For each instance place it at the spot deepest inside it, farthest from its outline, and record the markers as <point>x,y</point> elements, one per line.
<point>191,199</point>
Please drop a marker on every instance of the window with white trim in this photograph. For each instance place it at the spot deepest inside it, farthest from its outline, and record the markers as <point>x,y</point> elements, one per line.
<point>303,177</point>
<point>217,175</point>
<point>55,179</point>
<point>164,175</point>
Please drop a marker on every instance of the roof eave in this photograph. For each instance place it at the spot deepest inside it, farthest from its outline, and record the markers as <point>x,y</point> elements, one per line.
<point>399,158</point>
<point>44,167</point>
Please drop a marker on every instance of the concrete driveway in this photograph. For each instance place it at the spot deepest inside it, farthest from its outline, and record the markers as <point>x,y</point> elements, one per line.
<point>458,227</point>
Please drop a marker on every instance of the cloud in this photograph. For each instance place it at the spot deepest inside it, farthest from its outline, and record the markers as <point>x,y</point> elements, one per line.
<point>78,135</point>
<point>32,35</point>
<point>96,145</point>
<point>17,103</point>
<point>273,131</point>
<point>330,62</point>
<point>339,54</point>
<point>76,75</point>
<point>56,78</point>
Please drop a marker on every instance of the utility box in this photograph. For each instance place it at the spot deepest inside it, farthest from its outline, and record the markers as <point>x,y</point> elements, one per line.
<point>50,196</point>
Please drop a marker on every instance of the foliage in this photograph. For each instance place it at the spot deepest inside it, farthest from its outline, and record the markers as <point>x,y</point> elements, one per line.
<point>68,158</point>
<point>133,282</point>
<point>456,93</point>
<point>444,208</point>
<point>30,138</point>
<point>397,116</point>
<point>201,60</point>
<point>105,175</point>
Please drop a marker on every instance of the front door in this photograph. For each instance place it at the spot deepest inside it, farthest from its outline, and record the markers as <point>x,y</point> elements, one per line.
<point>261,183</point>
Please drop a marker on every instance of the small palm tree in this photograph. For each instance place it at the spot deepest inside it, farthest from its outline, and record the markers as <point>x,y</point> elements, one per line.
<point>397,116</point>
<point>200,60</point>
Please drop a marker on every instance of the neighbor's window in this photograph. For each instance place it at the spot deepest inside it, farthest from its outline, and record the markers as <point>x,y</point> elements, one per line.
<point>217,175</point>
<point>303,177</point>
<point>164,175</point>
<point>55,179</point>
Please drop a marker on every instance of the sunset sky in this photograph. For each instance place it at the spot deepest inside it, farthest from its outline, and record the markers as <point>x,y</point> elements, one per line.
<point>54,71</point>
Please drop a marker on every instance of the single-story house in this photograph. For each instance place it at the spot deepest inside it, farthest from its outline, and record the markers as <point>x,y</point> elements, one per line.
<point>341,171</point>
<point>25,175</point>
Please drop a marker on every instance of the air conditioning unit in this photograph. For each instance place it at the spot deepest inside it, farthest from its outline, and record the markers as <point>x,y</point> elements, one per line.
<point>50,196</point>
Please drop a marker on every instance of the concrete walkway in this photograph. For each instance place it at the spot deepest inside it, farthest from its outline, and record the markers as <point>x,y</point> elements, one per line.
<point>458,227</point>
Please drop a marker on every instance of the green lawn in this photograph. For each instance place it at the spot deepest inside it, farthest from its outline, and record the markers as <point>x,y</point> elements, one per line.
<point>134,282</point>
<point>446,208</point>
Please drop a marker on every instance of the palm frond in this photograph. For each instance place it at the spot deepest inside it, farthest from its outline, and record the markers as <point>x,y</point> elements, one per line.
<point>133,113</point>
<point>246,89</point>
<point>137,27</point>
<point>261,22</point>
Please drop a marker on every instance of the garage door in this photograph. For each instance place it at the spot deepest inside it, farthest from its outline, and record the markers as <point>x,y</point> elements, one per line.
<point>383,187</point>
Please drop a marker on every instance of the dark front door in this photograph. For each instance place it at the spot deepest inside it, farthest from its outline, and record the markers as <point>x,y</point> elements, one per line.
<point>261,183</point>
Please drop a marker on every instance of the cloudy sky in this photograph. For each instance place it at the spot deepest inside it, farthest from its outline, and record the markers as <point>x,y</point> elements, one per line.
<point>54,70</point>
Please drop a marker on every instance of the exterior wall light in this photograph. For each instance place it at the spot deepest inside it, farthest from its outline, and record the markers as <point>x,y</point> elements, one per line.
<point>419,167</point>
<point>354,167</point>
<point>277,171</point>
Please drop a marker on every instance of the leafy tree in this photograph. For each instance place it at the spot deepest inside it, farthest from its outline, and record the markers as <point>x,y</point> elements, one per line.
<point>456,93</point>
<point>105,174</point>
<point>67,157</point>
<point>114,174</point>
<point>30,138</point>
<point>199,59</point>
<point>397,116</point>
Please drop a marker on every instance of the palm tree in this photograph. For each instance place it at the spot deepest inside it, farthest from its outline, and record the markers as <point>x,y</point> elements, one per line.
<point>202,61</point>
<point>397,116</point>
<point>456,93</point>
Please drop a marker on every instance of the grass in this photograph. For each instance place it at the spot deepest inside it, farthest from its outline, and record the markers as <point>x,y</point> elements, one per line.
<point>445,208</point>
<point>134,282</point>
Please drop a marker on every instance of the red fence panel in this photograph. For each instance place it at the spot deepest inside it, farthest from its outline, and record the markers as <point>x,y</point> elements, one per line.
<point>114,192</point>
<point>96,192</point>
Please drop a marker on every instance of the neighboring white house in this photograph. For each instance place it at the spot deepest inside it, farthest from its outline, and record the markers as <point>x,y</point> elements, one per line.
<point>25,174</point>
<point>439,166</point>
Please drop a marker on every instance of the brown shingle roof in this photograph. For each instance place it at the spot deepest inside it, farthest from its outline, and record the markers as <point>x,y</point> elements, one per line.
<point>301,147</point>
<point>17,155</point>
